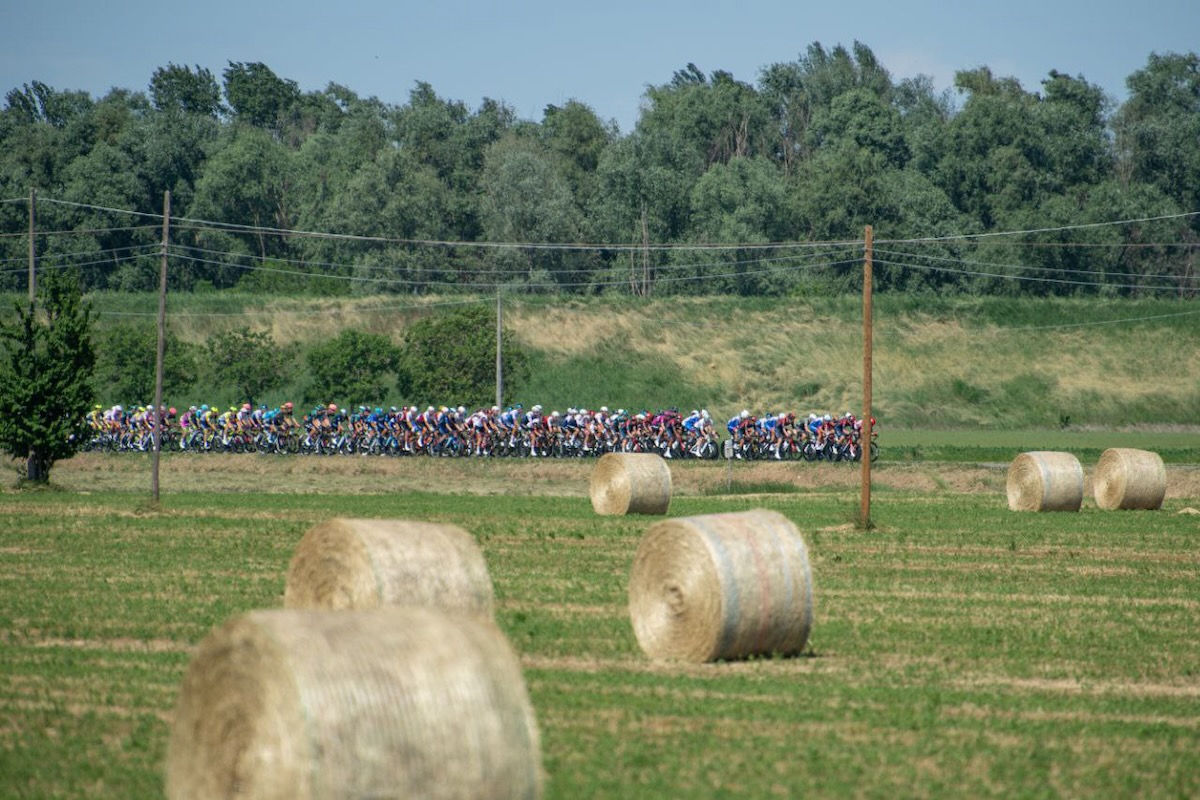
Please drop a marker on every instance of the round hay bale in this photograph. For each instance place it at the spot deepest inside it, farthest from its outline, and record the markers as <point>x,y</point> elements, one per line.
<point>362,563</point>
<point>393,702</point>
<point>1127,479</point>
<point>1043,480</point>
<point>721,586</point>
<point>631,483</point>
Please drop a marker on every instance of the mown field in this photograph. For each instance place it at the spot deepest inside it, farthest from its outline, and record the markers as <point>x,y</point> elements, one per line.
<point>959,649</point>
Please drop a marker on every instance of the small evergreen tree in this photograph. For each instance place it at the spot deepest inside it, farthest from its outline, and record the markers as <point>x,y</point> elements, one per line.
<point>45,376</point>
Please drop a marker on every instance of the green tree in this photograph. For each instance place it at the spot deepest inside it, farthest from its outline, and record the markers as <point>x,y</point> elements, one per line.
<point>352,368</point>
<point>126,356</point>
<point>451,358</point>
<point>744,201</point>
<point>181,89</point>
<point>249,362</point>
<point>248,180</point>
<point>525,199</point>
<point>1158,127</point>
<point>45,381</point>
<point>259,96</point>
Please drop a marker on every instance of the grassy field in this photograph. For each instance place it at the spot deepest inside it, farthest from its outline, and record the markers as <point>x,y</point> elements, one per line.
<point>959,649</point>
<point>939,362</point>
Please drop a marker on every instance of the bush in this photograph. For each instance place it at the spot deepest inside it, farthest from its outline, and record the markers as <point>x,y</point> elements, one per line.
<point>351,368</point>
<point>451,358</point>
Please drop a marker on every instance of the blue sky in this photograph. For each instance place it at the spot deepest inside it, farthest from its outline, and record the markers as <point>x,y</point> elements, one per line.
<point>530,53</point>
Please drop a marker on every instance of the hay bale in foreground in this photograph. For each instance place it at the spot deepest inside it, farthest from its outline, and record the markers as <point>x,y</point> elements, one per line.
<point>361,564</point>
<point>721,586</point>
<point>631,483</point>
<point>1128,479</point>
<point>384,703</point>
<point>1044,480</point>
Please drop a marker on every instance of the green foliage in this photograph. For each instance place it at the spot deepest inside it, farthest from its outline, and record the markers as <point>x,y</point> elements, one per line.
<point>352,368</point>
<point>813,149</point>
<point>126,355</point>
<point>247,362</point>
<point>451,358</point>
<point>45,378</point>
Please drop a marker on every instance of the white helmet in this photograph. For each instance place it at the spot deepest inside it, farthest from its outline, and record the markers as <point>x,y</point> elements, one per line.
<point>704,413</point>
<point>745,413</point>
<point>827,418</point>
<point>603,409</point>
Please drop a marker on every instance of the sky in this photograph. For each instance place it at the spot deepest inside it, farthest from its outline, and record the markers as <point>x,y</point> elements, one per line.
<point>532,53</point>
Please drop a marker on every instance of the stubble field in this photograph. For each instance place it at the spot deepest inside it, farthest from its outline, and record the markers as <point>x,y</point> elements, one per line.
<point>958,648</point>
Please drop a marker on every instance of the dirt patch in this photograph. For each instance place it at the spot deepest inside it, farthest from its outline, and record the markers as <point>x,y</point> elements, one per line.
<point>96,472</point>
<point>120,645</point>
<point>1074,686</point>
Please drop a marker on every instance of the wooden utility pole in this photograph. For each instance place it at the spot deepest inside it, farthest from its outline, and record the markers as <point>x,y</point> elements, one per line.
<point>865,438</point>
<point>499,352</point>
<point>32,246</point>
<point>162,348</point>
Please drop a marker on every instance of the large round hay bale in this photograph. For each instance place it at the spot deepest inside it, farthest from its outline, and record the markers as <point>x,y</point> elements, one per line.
<point>1127,479</point>
<point>1044,480</point>
<point>393,702</point>
<point>721,586</point>
<point>631,483</point>
<point>363,563</point>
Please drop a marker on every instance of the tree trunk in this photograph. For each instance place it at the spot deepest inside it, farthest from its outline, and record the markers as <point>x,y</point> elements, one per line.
<point>37,467</point>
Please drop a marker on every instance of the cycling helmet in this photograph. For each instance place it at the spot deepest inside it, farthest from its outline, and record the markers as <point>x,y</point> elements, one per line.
<point>827,418</point>
<point>171,411</point>
<point>333,407</point>
<point>603,409</point>
<point>745,413</point>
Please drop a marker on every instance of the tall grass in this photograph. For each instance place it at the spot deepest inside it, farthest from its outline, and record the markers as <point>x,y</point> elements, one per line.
<point>948,361</point>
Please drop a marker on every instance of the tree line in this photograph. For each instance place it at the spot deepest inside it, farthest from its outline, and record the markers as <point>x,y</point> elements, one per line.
<point>433,196</point>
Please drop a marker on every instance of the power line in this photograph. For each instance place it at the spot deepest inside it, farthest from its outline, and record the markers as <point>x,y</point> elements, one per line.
<point>1025,266</point>
<point>1059,229</point>
<point>1028,278</point>
<point>181,250</point>
<point>310,313</point>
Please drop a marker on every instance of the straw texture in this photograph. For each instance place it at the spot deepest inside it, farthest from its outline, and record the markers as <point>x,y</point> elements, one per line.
<point>631,483</point>
<point>721,586</point>
<point>292,705</point>
<point>1129,479</point>
<point>362,564</point>
<point>1043,480</point>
